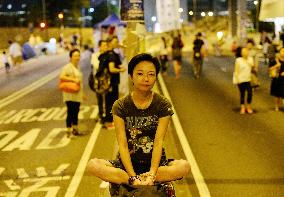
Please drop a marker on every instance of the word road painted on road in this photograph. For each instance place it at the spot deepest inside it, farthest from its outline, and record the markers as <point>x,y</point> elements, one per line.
<point>25,184</point>
<point>44,114</point>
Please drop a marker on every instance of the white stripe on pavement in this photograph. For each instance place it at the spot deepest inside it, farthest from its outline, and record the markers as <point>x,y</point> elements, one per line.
<point>26,90</point>
<point>199,180</point>
<point>71,191</point>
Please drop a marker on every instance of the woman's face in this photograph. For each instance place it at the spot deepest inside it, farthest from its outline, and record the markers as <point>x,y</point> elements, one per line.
<point>75,58</point>
<point>244,52</point>
<point>144,76</point>
<point>103,47</point>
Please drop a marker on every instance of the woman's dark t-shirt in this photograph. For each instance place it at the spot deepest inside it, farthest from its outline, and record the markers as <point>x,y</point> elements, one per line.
<point>141,124</point>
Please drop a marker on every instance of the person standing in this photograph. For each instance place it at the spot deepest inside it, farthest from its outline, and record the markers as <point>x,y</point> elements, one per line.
<point>177,46</point>
<point>163,56</point>
<point>277,82</point>
<point>5,61</point>
<point>98,59</point>
<point>198,55</point>
<point>114,66</point>
<point>15,51</point>
<point>141,120</point>
<point>253,54</point>
<point>72,72</point>
<point>242,77</point>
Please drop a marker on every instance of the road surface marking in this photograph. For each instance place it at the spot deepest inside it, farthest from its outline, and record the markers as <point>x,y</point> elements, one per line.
<point>22,173</point>
<point>199,180</point>
<point>60,170</point>
<point>40,171</point>
<point>71,191</point>
<point>26,90</point>
<point>12,185</point>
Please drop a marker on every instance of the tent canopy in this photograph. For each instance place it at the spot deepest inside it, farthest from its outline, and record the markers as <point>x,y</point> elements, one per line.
<point>271,9</point>
<point>110,20</point>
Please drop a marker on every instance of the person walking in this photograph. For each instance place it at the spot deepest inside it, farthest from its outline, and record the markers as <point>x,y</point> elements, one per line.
<point>198,55</point>
<point>277,83</point>
<point>71,72</point>
<point>141,121</point>
<point>177,46</point>
<point>242,77</point>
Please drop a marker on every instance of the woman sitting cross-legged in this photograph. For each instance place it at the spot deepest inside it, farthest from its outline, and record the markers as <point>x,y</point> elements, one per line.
<point>141,120</point>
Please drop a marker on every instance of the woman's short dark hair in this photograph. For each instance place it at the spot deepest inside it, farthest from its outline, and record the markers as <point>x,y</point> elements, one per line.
<point>140,58</point>
<point>73,51</point>
<point>239,52</point>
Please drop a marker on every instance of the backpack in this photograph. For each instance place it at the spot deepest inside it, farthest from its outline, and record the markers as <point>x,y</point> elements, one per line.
<point>197,48</point>
<point>100,82</point>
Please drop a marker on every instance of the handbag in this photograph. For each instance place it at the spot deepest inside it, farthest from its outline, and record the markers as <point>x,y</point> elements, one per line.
<point>273,73</point>
<point>69,86</point>
<point>254,80</point>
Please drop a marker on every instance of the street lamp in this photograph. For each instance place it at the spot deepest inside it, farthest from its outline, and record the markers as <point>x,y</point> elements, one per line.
<point>180,10</point>
<point>210,13</point>
<point>255,2</point>
<point>203,14</point>
<point>61,16</point>
<point>154,18</point>
<point>190,13</point>
<point>42,25</point>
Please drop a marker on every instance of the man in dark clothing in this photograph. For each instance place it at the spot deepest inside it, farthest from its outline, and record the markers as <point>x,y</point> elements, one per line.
<point>114,68</point>
<point>198,47</point>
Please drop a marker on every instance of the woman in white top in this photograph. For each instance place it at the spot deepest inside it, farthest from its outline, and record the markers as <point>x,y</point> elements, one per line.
<point>242,75</point>
<point>72,72</point>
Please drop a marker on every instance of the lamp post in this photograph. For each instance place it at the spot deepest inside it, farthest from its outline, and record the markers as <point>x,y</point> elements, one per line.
<point>44,18</point>
<point>256,3</point>
<point>194,9</point>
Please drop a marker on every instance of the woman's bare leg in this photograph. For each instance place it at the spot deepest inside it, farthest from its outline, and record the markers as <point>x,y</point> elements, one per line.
<point>104,170</point>
<point>175,170</point>
<point>177,68</point>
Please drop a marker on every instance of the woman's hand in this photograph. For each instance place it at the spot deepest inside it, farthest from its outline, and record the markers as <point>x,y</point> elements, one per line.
<point>137,182</point>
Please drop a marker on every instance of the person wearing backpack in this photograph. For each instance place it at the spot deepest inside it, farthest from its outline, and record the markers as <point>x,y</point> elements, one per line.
<point>113,64</point>
<point>94,78</point>
<point>198,55</point>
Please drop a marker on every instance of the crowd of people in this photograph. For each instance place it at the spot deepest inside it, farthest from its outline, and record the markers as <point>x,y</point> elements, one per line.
<point>246,68</point>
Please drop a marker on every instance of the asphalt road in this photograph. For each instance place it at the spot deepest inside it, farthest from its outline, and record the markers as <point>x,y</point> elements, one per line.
<point>237,155</point>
